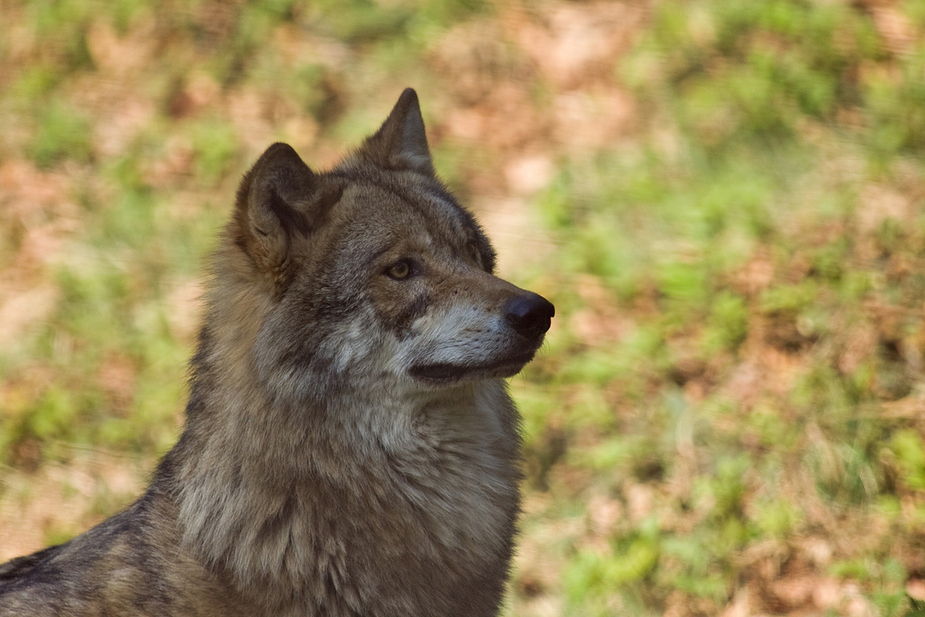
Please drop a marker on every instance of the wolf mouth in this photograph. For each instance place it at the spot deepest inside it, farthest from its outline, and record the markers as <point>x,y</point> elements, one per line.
<point>445,372</point>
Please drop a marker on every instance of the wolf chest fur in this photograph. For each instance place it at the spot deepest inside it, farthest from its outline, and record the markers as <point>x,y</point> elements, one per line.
<point>350,447</point>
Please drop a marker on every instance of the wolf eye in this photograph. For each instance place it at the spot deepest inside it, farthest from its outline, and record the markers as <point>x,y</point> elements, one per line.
<point>399,270</point>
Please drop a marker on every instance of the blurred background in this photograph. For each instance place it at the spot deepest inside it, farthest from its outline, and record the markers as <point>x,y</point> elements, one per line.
<point>723,199</point>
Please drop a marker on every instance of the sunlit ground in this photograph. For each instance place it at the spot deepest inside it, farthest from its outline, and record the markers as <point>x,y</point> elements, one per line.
<point>724,201</point>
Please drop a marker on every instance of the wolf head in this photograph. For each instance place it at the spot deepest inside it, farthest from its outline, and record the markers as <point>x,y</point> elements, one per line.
<point>371,272</point>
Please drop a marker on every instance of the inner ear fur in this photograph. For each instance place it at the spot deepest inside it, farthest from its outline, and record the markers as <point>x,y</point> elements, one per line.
<point>278,199</point>
<point>401,141</point>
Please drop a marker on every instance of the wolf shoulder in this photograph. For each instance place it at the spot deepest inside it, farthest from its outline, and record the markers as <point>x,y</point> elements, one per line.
<point>113,569</point>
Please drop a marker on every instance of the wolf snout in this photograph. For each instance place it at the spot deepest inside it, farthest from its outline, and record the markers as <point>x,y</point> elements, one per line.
<point>530,314</point>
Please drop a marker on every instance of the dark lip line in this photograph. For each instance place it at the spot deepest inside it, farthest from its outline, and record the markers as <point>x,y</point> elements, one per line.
<point>454,372</point>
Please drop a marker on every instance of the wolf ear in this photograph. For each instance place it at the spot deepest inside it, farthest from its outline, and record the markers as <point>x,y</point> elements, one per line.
<point>278,198</point>
<point>401,141</point>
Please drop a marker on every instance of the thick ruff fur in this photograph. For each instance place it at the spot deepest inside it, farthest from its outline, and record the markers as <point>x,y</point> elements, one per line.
<point>350,447</point>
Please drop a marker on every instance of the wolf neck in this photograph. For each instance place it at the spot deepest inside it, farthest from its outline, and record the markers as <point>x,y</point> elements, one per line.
<point>293,503</point>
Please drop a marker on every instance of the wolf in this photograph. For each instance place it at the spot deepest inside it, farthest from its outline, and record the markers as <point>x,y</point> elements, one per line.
<point>350,447</point>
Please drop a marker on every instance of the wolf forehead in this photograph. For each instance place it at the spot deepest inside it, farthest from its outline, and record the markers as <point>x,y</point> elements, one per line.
<point>356,204</point>
<point>426,208</point>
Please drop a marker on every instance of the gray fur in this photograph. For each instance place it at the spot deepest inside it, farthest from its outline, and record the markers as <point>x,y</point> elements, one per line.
<point>350,447</point>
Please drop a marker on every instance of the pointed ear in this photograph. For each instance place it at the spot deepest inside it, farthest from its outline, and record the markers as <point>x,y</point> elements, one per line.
<point>401,142</point>
<point>279,198</point>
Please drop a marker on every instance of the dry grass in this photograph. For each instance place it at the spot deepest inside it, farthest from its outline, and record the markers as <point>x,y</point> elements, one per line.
<point>724,202</point>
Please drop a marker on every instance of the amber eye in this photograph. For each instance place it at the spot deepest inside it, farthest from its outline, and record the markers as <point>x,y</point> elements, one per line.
<point>399,270</point>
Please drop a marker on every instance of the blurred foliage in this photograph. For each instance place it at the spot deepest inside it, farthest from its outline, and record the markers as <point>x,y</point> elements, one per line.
<point>729,413</point>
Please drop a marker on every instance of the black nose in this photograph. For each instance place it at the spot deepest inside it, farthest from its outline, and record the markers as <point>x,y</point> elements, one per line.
<point>530,314</point>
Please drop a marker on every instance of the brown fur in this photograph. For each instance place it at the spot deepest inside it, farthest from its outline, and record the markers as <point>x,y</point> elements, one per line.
<point>350,448</point>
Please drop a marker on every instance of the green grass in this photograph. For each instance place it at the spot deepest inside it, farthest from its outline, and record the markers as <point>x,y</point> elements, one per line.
<point>731,393</point>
